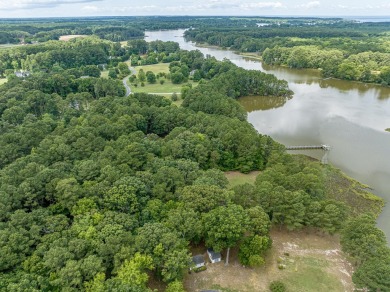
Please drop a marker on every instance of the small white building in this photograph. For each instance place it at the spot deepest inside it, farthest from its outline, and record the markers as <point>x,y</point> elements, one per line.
<point>198,261</point>
<point>22,74</point>
<point>215,257</point>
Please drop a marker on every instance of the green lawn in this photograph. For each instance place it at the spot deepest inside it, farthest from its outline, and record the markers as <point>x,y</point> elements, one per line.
<point>156,68</point>
<point>237,178</point>
<point>3,80</point>
<point>310,274</point>
<point>104,74</point>
<point>9,46</point>
<point>167,88</point>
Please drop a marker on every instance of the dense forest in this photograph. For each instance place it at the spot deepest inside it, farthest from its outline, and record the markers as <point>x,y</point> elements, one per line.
<point>101,192</point>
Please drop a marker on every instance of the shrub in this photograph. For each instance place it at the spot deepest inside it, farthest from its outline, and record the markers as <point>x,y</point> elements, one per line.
<point>200,269</point>
<point>277,286</point>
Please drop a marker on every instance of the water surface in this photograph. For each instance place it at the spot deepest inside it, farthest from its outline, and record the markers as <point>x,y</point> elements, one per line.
<point>349,116</point>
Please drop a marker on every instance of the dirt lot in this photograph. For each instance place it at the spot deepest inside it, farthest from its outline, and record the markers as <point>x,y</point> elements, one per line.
<point>313,262</point>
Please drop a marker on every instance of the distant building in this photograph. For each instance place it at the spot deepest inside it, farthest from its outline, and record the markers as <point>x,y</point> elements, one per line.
<point>198,261</point>
<point>215,257</point>
<point>22,74</point>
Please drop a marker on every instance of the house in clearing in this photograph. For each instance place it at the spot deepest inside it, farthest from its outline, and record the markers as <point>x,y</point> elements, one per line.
<point>215,257</point>
<point>198,261</point>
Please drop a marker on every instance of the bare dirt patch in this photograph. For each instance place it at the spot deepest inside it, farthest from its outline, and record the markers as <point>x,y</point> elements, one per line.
<point>312,262</point>
<point>66,38</point>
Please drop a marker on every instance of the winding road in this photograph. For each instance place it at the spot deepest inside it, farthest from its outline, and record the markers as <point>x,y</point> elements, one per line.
<point>128,89</point>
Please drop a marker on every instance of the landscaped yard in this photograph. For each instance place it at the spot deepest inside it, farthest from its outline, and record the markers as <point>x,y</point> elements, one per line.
<point>165,89</point>
<point>313,262</point>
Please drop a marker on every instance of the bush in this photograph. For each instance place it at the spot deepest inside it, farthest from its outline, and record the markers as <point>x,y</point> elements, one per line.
<point>174,96</point>
<point>200,269</point>
<point>162,81</point>
<point>142,84</point>
<point>281,267</point>
<point>277,286</point>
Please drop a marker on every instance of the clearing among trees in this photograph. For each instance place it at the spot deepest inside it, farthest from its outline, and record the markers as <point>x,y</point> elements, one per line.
<point>308,261</point>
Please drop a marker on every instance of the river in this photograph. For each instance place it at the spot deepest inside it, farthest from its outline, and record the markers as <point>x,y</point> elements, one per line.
<point>351,117</point>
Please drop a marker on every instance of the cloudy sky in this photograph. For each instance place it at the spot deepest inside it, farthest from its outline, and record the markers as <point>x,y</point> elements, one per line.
<point>58,8</point>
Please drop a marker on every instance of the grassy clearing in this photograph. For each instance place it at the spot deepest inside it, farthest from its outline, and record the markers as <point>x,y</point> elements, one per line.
<point>165,89</point>
<point>66,38</point>
<point>156,68</point>
<point>7,46</point>
<point>3,80</point>
<point>104,74</point>
<point>237,178</point>
<point>168,87</point>
<point>313,262</point>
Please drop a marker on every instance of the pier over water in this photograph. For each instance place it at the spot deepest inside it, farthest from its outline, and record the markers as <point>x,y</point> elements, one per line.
<point>325,148</point>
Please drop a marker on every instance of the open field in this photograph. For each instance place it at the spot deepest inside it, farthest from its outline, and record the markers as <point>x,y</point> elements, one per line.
<point>156,68</point>
<point>237,178</point>
<point>66,38</point>
<point>104,74</point>
<point>3,80</point>
<point>165,89</point>
<point>313,262</point>
<point>7,46</point>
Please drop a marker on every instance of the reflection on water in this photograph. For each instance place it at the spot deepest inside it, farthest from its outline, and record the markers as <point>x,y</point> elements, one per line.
<point>261,103</point>
<point>349,116</point>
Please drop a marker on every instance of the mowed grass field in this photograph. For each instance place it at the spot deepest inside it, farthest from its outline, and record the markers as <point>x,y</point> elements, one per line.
<point>156,68</point>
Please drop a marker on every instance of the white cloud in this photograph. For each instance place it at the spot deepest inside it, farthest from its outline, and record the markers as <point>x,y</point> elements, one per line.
<point>262,5</point>
<point>32,4</point>
<point>310,5</point>
<point>121,9</point>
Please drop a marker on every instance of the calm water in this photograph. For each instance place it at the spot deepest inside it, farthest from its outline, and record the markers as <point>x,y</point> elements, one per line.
<point>349,116</point>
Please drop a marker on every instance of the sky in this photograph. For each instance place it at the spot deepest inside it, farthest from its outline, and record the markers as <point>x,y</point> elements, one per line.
<point>61,8</point>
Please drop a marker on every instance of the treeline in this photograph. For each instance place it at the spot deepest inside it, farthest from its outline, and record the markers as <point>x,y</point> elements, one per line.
<point>125,28</point>
<point>343,50</point>
<point>366,67</point>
